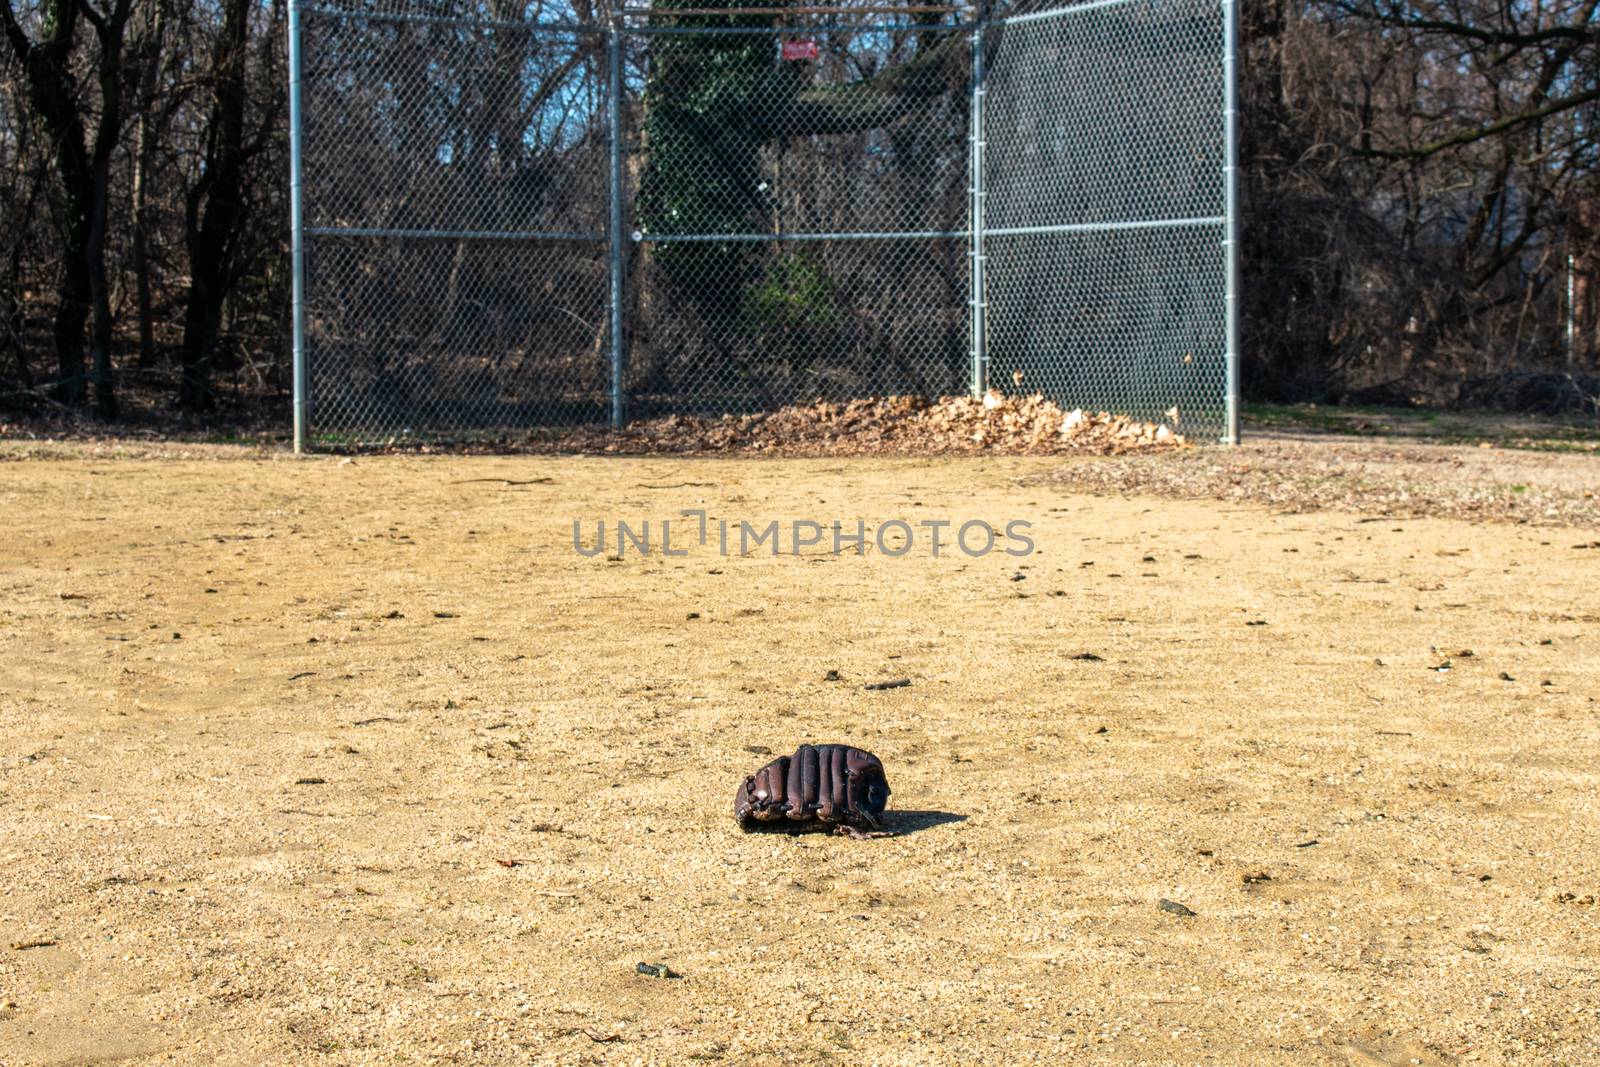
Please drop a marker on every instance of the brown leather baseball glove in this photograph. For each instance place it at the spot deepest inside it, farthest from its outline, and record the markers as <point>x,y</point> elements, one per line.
<point>833,784</point>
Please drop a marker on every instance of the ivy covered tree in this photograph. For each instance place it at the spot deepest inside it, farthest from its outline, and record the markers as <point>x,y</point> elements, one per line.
<point>713,102</point>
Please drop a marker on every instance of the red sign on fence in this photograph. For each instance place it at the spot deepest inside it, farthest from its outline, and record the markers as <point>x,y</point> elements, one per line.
<point>801,49</point>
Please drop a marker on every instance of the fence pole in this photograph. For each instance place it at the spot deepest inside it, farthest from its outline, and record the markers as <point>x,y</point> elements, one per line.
<point>979,309</point>
<point>297,268</point>
<point>614,112</point>
<point>1230,184</point>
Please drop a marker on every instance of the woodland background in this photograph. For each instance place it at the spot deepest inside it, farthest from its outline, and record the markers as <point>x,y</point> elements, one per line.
<point>1421,193</point>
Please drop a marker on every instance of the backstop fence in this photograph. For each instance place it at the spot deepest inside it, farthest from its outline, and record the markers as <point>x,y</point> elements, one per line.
<point>510,214</point>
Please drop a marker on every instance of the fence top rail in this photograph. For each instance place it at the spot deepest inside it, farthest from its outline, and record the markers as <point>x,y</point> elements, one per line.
<point>452,235</point>
<point>748,238</point>
<point>463,22</point>
<point>811,28</point>
<point>335,11</point>
<point>1078,8</point>
<point>920,9</point>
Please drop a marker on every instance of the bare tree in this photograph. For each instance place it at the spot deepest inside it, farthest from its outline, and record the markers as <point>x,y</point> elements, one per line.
<point>214,207</point>
<point>84,171</point>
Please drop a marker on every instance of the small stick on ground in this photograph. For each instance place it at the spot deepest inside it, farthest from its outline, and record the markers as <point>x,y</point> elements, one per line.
<point>898,683</point>
<point>506,481</point>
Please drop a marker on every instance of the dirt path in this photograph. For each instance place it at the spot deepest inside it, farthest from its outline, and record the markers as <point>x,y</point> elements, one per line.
<point>271,726</point>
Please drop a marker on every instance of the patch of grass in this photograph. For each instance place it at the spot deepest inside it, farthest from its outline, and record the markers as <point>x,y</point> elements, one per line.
<point>1528,432</point>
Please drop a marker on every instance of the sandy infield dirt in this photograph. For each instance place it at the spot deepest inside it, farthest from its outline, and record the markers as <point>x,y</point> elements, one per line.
<point>271,726</point>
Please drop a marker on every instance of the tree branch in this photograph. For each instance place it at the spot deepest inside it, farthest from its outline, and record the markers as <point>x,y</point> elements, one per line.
<point>1580,32</point>
<point>100,22</point>
<point>14,33</point>
<point>867,104</point>
<point>1465,137</point>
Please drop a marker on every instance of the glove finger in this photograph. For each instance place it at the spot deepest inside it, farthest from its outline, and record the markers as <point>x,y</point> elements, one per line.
<point>824,781</point>
<point>832,796</point>
<point>803,782</point>
<point>841,783</point>
<point>796,789</point>
<point>771,788</point>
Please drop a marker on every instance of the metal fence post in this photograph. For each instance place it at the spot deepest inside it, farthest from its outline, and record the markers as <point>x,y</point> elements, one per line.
<point>1230,183</point>
<point>614,112</point>
<point>296,234</point>
<point>979,311</point>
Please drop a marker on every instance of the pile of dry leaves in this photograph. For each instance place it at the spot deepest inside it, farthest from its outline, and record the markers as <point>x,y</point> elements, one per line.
<point>904,425</point>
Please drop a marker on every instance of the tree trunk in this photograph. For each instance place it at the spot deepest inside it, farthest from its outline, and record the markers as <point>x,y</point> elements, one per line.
<point>145,141</point>
<point>105,395</point>
<point>110,30</point>
<point>215,210</point>
<point>16,316</point>
<point>72,305</point>
<point>1583,232</point>
<point>52,89</point>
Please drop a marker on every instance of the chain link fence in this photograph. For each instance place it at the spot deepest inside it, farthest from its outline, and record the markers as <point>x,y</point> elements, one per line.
<point>1106,211</point>
<point>509,216</point>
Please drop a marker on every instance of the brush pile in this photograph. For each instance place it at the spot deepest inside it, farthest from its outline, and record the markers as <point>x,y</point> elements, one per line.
<point>897,425</point>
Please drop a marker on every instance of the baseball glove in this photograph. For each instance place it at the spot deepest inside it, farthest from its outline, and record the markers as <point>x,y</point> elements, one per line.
<point>832,784</point>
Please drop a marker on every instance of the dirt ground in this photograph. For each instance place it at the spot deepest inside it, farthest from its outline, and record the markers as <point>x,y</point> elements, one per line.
<point>274,728</point>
